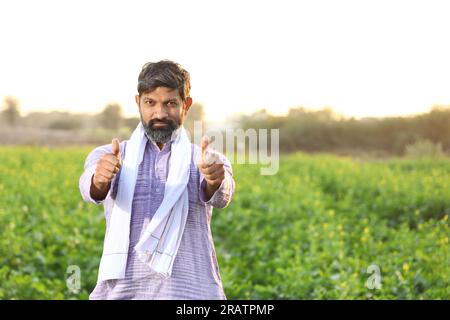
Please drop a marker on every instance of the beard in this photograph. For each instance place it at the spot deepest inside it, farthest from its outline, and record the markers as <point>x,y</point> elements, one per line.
<point>161,134</point>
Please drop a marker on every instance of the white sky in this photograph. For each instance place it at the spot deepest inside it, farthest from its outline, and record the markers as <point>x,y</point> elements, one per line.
<point>362,58</point>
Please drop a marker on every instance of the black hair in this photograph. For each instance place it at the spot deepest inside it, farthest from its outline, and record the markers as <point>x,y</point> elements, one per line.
<point>164,73</point>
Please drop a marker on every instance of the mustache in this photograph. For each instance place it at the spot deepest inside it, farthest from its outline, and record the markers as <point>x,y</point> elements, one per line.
<point>169,122</point>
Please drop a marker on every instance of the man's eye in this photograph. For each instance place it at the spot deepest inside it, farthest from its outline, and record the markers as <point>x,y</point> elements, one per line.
<point>172,104</point>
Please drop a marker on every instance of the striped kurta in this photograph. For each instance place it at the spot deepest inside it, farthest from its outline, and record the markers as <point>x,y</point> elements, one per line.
<point>195,273</point>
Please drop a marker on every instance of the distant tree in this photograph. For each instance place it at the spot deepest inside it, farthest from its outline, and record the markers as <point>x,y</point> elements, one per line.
<point>70,123</point>
<point>325,130</point>
<point>196,113</point>
<point>111,117</point>
<point>131,123</point>
<point>11,111</point>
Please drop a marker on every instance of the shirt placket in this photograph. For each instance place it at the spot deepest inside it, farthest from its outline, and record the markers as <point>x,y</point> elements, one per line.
<point>160,171</point>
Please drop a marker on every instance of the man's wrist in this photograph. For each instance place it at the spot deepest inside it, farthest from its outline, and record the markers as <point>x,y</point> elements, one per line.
<point>210,190</point>
<point>99,193</point>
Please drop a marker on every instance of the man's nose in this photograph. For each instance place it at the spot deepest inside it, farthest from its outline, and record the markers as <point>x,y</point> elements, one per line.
<point>160,112</point>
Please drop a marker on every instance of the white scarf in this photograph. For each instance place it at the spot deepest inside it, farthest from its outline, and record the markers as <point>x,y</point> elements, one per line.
<point>159,243</point>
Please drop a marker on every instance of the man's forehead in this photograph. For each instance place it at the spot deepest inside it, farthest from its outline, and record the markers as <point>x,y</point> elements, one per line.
<point>162,92</point>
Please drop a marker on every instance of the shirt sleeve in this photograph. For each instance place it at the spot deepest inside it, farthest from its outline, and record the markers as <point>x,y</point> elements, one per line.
<point>90,164</point>
<point>223,195</point>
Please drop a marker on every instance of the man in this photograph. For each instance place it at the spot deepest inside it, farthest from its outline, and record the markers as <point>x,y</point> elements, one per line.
<point>181,262</point>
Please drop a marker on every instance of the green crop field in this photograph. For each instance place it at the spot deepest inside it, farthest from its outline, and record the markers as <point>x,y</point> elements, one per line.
<point>309,232</point>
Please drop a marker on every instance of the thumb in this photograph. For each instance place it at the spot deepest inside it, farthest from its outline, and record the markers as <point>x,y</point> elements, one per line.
<point>204,144</point>
<point>116,148</point>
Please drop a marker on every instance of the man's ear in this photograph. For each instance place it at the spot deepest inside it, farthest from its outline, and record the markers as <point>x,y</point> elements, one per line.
<point>137,99</point>
<point>187,104</point>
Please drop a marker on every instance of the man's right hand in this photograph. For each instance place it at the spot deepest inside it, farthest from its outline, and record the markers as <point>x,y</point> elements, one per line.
<point>106,169</point>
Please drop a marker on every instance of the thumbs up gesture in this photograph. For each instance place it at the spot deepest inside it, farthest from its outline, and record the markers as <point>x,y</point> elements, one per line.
<point>116,149</point>
<point>210,167</point>
<point>107,167</point>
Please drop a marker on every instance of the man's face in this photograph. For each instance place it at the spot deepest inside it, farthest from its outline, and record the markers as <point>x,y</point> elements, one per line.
<point>162,112</point>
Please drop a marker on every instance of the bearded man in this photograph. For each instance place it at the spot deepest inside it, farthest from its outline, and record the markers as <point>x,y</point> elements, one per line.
<point>158,191</point>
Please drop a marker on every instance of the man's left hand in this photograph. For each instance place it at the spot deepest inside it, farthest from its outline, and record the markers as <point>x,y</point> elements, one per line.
<point>211,168</point>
